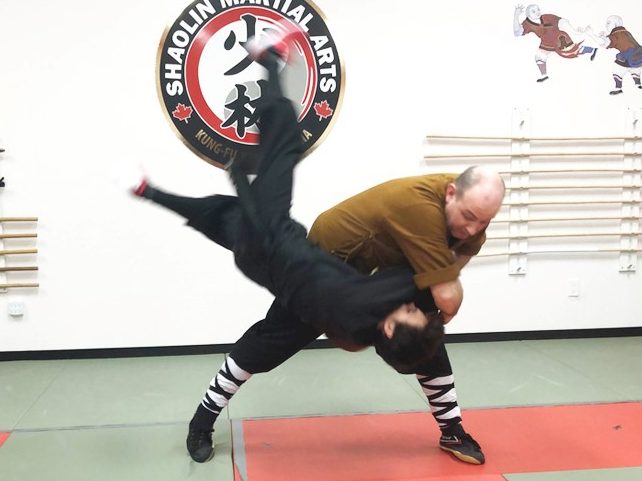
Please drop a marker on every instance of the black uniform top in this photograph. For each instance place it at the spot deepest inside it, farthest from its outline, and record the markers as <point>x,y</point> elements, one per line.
<point>321,289</point>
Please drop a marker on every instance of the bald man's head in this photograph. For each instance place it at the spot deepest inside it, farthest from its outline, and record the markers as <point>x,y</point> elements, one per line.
<point>473,200</point>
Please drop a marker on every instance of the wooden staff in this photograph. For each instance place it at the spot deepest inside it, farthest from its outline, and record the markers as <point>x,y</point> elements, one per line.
<point>565,251</point>
<point>17,236</point>
<point>18,251</point>
<point>18,219</point>
<point>570,234</point>
<point>571,187</point>
<point>573,170</point>
<point>530,155</point>
<point>18,268</point>
<point>556,219</point>
<point>570,202</point>
<point>538,139</point>
<point>18,285</point>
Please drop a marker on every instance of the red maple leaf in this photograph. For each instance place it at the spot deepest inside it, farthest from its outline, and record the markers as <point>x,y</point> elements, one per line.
<point>323,109</point>
<point>182,112</point>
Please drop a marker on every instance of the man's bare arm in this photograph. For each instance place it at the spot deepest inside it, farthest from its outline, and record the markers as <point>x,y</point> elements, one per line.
<point>448,297</point>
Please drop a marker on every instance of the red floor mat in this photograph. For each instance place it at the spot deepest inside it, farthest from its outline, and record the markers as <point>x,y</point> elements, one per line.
<point>403,447</point>
<point>3,437</point>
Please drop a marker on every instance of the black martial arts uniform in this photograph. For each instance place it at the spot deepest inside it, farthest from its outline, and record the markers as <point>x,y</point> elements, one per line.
<point>315,292</point>
<point>322,293</point>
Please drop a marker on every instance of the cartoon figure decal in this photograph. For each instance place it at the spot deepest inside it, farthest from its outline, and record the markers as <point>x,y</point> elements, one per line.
<point>629,56</point>
<point>556,34</point>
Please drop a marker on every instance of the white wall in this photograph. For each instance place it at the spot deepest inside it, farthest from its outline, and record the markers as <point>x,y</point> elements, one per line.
<point>78,100</point>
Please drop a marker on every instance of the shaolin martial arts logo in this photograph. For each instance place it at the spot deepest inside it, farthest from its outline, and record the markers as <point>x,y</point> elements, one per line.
<point>209,87</point>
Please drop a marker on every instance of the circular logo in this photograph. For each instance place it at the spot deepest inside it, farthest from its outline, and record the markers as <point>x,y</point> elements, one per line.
<point>209,86</point>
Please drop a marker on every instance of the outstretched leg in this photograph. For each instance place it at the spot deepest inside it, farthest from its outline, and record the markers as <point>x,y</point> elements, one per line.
<point>266,202</point>
<point>217,216</point>
<point>280,147</point>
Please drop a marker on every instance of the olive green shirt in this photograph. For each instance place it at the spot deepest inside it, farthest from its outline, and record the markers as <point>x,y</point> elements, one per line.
<point>401,221</point>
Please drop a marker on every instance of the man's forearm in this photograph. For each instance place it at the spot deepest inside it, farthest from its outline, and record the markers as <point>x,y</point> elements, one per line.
<point>448,297</point>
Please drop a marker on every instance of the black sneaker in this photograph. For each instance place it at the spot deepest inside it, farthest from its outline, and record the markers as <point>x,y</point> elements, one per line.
<point>464,448</point>
<point>199,444</point>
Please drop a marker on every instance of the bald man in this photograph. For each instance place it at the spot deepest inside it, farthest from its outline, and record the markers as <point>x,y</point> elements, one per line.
<point>432,223</point>
<point>435,224</point>
<point>629,56</point>
<point>418,221</point>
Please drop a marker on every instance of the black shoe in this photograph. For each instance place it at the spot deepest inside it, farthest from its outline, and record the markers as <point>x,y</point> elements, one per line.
<point>542,79</point>
<point>464,448</point>
<point>199,444</point>
<point>615,92</point>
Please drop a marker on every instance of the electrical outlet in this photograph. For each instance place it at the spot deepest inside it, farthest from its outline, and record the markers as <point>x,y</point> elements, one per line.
<point>16,308</point>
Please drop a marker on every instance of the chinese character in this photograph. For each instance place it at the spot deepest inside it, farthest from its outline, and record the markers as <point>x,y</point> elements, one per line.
<point>230,42</point>
<point>241,114</point>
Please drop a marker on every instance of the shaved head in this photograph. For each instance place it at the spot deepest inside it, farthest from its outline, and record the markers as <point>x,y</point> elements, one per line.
<point>486,182</point>
<point>475,174</point>
<point>472,200</point>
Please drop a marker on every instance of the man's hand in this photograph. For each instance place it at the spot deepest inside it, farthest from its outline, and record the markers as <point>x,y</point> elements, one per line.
<point>445,319</point>
<point>518,30</point>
